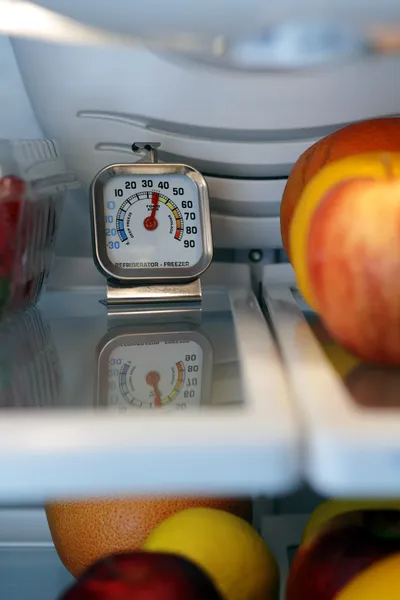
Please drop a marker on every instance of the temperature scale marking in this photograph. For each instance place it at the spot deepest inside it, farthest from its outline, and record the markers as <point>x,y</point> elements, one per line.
<point>178,385</point>
<point>123,379</point>
<point>128,395</point>
<point>121,214</point>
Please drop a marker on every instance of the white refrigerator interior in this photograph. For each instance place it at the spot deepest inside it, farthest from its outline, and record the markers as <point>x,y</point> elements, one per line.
<point>249,403</point>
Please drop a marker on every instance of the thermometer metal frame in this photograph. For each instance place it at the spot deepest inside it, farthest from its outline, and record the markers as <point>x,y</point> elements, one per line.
<point>113,339</point>
<point>152,275</point>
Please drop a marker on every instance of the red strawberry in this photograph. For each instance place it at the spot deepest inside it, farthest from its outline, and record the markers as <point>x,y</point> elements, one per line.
<point>11,187</point>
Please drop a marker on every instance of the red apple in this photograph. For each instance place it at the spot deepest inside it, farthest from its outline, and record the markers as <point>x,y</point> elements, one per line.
<point>353,260</point>
<point>339,552</point>
<point>143,576</point>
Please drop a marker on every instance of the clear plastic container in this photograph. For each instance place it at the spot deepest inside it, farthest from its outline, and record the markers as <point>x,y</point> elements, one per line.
<point>30,372</point>
<point>33,183</point>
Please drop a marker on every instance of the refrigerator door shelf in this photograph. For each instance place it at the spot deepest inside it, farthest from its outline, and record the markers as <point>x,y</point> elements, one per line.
<point>87,424</point>
<point>352,432</point>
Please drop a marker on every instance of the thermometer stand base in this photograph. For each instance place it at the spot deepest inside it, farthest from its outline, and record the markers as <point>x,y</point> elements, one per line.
<point>165,302</point>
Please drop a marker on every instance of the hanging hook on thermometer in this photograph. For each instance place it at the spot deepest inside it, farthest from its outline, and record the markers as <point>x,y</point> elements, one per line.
<point>147,151</point>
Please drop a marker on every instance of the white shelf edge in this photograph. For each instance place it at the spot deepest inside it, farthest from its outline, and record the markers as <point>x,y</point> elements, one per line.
<point>253,449</point>
<point>349,450</point>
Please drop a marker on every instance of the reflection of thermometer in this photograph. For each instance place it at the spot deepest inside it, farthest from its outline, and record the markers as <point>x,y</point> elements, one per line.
<point>152,378</point>
<point>168,371</point>
<point>163,384</point>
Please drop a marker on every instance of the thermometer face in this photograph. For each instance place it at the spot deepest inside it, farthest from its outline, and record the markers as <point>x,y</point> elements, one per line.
<point>151,222</point>
<point>166,372</point>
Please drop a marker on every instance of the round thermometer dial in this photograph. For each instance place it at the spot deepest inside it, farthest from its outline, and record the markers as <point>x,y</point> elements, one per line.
<point>155,372</point>
<point>151,222</point>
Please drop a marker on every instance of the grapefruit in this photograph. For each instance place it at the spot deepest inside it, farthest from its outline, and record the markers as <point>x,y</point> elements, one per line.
<point>84,532</point>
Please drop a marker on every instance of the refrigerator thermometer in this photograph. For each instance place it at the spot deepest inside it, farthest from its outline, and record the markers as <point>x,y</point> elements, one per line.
<point>150,221</point>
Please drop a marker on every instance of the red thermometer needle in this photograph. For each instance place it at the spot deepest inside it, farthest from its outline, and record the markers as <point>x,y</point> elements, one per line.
<point>151,222</point>
<point>152,378</point>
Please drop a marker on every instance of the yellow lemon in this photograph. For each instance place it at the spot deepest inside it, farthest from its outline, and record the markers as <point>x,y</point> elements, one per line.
<point>370,165</point>
<point>227,548</point>
<point>381,581</point>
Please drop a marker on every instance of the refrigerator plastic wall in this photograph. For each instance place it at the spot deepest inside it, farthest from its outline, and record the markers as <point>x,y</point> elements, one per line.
<point>243,130</point>
<point>97,100</point>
